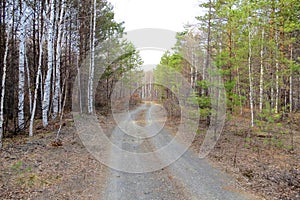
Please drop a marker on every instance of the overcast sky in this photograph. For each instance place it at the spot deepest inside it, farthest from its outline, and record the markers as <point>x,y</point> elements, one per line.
<point>165,14</point>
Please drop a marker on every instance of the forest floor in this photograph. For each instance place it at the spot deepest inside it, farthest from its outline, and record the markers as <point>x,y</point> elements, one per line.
<point>37,168</point>
<point>263,162</point>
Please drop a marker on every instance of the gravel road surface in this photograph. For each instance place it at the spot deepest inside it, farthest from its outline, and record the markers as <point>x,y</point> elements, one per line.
<point>187,178</point>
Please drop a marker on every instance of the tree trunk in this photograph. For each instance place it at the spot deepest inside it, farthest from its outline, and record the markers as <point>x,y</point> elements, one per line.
<point>208,52</point>
<point>60,36</point>
<point>29,84</point>
<point>3,86</point>
<point>250,76</point>
<point>38,77</point>
<point>92,64</point>
<point>47,86</point>
<point>291,79</point>
<point>261,80</point>
<point>276,75</point>
<point>79,83</point>
<point>22,46</point>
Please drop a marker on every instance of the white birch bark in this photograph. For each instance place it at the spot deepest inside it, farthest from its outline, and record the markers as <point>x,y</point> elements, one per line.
<point>47,85</point>
<point>250,76</point>
<point>143,93</point>
<point>57,66</point>
<point>3,87</point>
<point>41,86</point>
<point>28,83</point>
<point>291,81</point>
<point>22,46</point>
<point>261,79</point>
<point>277,76</point>
<point>38,78</point>
<point>62,110</point>
<point>92,63</point>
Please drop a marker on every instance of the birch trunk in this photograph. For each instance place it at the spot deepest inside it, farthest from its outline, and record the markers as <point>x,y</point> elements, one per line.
<point>38,78</point>
<point>60,36</point>
<point>29,84</point>
<point>22,46</point>
<point>277,76</point>
<point>250,77</point>
<point>291,81</point>
<point>92,64</point>
<point>47,86</point>
<point>3,87</point>
<point>261,81</point>
<point>62,110</point>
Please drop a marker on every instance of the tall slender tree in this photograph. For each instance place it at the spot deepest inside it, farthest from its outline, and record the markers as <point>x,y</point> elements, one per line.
<point>22,49</point>
<point>92,61</point>
<point>47,85</point>
<point>60,37</point>
<point>8,33</point>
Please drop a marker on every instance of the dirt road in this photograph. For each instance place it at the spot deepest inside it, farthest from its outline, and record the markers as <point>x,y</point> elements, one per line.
<point>187,178</point>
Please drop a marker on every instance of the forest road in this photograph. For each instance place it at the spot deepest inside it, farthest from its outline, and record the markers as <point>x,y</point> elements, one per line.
<point>187,178</point>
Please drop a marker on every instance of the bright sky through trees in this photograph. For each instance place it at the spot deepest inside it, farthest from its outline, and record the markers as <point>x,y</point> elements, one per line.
<point>165,14</point>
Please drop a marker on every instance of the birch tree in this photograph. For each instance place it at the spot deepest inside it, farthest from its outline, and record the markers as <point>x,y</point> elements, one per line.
<point>47,86</point>
<point>38,78</point>
<point>92,61</point>
<point>291,79</point>
<point>22,46</point>
<point>3,85</point>
<point>38,65</point>
<point>261,79</point>
<point>28,83</point>
<point>250,75</point>
<point>60,37</point>
<point>276,75</point>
